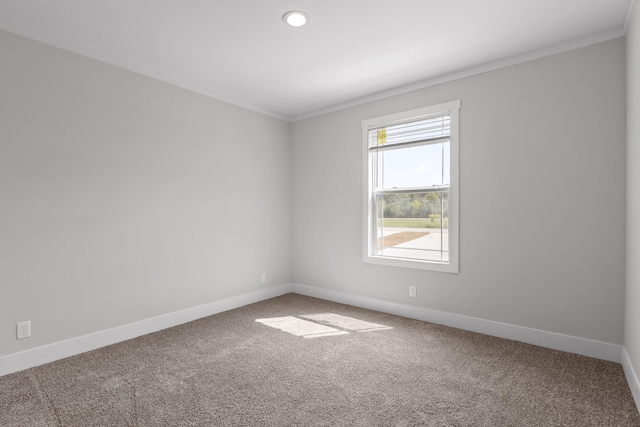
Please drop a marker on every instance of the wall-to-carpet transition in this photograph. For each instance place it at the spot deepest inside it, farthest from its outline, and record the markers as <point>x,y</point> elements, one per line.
<point>300,361</point>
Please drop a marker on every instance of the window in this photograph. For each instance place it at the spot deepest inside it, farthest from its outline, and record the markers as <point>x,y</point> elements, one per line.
<point>411,189</point>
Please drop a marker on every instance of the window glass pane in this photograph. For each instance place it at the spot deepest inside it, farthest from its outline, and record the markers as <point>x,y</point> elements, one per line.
<point>413,225</point>
<point>420,166</point>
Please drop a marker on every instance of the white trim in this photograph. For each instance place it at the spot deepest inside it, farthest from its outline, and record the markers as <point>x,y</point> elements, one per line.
<point>628,18</point>
<point>59,350</point>
<point>632,378</point>
<point>52,352</point>
<point>589,40</point>
<point>145,70</point>
<point>585,347</point>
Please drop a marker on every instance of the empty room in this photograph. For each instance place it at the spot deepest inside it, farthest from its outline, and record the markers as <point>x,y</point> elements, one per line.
<point>319,213</point>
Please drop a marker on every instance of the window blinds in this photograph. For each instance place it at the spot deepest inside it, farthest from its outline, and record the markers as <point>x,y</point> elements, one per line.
<point>420,131</point>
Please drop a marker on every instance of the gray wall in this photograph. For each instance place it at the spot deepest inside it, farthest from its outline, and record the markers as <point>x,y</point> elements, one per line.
<point>124,198</point>
<point>632,312</point>
<point>542,198</point>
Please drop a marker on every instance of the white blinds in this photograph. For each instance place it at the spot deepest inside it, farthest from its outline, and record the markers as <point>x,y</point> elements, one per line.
<point>420,131</point>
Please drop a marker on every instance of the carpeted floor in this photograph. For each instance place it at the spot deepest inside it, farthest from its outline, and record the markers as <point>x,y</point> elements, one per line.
<point>309,362</point>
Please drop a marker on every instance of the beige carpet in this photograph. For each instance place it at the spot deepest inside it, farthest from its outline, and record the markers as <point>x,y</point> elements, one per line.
<point>299,361</point>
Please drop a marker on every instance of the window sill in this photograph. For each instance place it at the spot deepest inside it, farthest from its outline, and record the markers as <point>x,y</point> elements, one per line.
<point>450,267</point>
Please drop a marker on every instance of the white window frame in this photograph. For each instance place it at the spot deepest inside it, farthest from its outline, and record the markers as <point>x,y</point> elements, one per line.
<point>368,206</point>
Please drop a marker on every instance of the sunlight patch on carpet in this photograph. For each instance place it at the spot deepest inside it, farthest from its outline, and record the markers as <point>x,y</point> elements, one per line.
<point>321,325</point>
<point>345,322</point>
<point>300,327</point>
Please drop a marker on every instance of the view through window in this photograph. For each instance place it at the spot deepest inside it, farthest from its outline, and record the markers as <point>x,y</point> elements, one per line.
<point>410,183</point>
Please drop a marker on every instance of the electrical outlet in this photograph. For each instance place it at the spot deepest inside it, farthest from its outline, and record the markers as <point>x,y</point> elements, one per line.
<point>264,278</point>
<point>412,291</point>
<point>23,330</point>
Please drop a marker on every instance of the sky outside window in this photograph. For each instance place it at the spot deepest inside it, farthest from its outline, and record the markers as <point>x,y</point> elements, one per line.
<point>420,166</point>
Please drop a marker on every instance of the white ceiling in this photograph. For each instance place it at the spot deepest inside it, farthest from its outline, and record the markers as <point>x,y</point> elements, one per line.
<point>240,51</point>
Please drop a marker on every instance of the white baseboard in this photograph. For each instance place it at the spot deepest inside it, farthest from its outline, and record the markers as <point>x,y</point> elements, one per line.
<point>585,347</point>
<point>59,350</point>
<point>49,353</point>
<point>632,378</point>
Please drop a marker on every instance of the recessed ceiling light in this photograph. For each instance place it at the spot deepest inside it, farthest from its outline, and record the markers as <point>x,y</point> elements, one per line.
<point>295,18</point>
